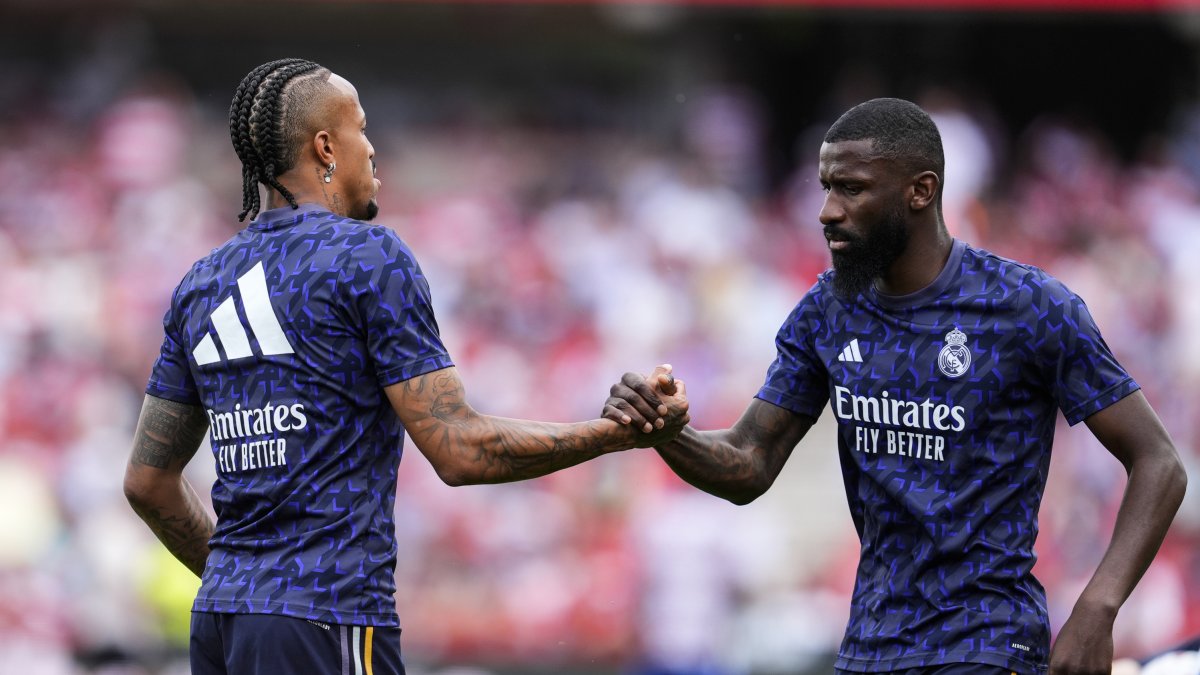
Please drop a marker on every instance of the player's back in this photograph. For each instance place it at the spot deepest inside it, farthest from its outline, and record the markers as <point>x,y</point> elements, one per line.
<point>286,334</point>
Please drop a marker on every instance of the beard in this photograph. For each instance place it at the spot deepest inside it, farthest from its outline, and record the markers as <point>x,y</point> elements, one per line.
<point>868,257</point>
<point>367,212</point>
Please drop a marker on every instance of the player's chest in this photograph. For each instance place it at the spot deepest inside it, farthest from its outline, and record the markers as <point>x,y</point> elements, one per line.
<point>936,373</point>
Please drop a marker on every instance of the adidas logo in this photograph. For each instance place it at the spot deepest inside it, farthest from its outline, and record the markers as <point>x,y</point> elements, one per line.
<point>256,303</point>
<point>851,354</point>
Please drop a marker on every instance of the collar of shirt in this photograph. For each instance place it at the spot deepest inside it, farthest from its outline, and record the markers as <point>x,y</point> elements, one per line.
<point>284,216</point>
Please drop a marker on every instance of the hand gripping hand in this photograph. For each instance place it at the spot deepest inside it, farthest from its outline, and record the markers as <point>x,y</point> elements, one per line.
<point>656,404</point>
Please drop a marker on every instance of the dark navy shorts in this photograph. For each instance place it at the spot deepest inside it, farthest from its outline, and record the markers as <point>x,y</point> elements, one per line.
<point>265,644</point>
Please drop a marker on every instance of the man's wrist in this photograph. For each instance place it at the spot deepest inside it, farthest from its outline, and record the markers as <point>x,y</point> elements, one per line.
<point>1097,606</point>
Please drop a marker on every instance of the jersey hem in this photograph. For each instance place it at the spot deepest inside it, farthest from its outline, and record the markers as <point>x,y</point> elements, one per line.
<point>932,660</point>
<point>385,620</point>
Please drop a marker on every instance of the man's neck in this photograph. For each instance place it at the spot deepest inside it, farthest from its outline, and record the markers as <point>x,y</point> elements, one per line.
<point>311,191</point>
<point>921,263</point>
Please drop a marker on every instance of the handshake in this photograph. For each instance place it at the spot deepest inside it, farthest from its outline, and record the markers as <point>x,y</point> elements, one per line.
<point>652,409</point>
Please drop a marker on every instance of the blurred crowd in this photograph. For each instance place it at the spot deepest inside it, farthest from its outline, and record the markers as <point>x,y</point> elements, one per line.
<point>559,258</point>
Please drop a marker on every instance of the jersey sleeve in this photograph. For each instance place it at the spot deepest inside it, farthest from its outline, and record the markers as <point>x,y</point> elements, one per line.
<point>1080,370</point>
<point>391,298</point>
<point>797,380</point>
<point>171,377</point>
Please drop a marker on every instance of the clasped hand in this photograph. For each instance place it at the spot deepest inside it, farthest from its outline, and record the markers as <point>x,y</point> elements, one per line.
<point>656,405</point>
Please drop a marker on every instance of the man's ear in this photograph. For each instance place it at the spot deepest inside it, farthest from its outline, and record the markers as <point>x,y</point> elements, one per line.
<point>322,145</point>
<point>924,190</point>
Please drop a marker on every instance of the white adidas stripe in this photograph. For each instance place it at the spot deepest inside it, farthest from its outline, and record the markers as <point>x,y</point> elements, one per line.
<point>851,353</point>
<point>256,300</point>
<point>229,329</point>
<point>206,352</point>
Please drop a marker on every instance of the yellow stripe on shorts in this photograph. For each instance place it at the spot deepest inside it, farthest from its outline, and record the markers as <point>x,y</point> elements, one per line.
<point>367,650</point>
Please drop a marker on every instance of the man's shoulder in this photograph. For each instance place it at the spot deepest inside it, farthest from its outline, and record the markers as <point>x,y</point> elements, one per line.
<point>204,268</point>
<point>365,238</point>
<point>346,231</point>
<point>994,263</point>
<point>992,268</point>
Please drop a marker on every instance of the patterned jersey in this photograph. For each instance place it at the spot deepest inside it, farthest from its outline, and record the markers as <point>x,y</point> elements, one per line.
<point>286,335</point>
<point>946,402</point>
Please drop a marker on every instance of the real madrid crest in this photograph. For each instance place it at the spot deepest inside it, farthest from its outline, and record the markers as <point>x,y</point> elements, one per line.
<point>955,357</point>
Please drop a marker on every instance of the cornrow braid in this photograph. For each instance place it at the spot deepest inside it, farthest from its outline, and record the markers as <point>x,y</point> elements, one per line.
<point>254,127</point>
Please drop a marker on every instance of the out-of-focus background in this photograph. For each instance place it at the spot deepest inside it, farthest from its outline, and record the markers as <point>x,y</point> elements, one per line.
<point>590,188</point>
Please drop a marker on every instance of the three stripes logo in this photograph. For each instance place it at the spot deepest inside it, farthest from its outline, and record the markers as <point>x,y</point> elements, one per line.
<point>264,324</point>
<point>851,354</point>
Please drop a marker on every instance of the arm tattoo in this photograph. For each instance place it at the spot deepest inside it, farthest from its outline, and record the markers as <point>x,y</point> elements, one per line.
<point>484,449</point>
<point>167,437</point>
<point>169,434</point>
<point>448,404</point>
<point>185,535</point>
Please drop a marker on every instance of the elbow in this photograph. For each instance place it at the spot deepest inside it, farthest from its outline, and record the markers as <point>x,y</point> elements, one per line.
<point>1179,478</point>
<point>137,491</point>
<point>454,479</point>
<point>454,476</point>
<point>745,494</point>
<point>742,498</point>
<point>147,487</point>
<point>1173,479</point>
<point>1168,476</point>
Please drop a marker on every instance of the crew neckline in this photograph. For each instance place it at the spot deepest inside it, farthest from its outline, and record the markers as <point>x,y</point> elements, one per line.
<point>284,216</point>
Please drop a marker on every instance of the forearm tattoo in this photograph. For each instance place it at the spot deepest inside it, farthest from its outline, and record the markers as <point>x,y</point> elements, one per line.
<point>493,449</point>
<point>167,437</point>
<point>185,534</point>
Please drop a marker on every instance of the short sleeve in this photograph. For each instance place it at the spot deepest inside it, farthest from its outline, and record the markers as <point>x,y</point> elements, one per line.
<point>797,380</point>
<point>171,377</point>
<point>391,300</point>
<point>1080,371</point>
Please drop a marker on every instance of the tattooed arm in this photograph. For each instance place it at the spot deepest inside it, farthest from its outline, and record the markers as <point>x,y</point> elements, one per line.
<point>466,447</point>
<point>168,434</point>
<point>737,464</point>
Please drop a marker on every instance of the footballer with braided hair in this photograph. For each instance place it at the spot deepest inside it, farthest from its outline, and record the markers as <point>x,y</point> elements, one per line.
<point>305,347</point>
<point>274,109</point>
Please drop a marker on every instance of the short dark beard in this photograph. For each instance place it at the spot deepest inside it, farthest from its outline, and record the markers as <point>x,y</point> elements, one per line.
<point>868,257</point>
<point>369,211</point>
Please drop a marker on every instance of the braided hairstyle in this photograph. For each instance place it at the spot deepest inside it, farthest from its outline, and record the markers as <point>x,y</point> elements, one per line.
<point>267,125</point>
